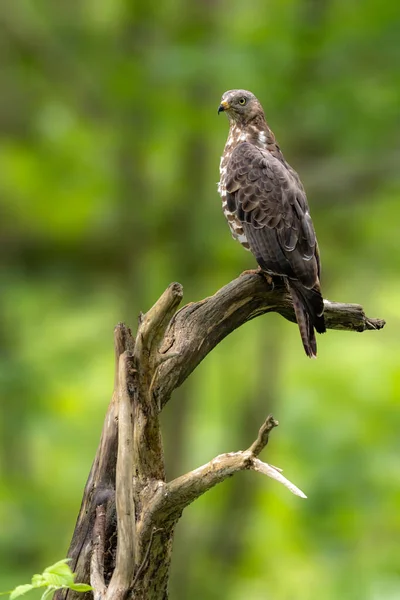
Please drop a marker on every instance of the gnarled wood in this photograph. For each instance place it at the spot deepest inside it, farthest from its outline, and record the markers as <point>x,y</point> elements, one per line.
<point>198,327</point>
<point>123,537</point>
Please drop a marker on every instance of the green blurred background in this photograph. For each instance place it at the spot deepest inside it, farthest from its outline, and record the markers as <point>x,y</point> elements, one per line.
<point>109,153</point>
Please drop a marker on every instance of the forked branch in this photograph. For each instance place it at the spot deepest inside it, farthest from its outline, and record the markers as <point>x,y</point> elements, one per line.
<point>180,492</point>
<point>123,538</point>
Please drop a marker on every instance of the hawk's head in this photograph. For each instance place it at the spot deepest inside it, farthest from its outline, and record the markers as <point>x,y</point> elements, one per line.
<point>241,106</point>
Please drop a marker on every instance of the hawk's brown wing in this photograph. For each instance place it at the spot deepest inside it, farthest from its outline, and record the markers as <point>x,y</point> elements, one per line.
<point>269,200</point>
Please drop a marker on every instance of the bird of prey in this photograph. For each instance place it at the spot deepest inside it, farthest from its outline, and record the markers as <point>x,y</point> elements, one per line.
<point>266,207</point>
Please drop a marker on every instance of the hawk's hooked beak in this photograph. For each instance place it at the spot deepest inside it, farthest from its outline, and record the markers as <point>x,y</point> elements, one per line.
<point>223,106</point>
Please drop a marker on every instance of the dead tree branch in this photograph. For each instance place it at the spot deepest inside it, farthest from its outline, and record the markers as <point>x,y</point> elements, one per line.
<point>180,492</point>
<point>124,501</point>
<point>97,560</point>
<point>122,542</point>
<point>197,328</point>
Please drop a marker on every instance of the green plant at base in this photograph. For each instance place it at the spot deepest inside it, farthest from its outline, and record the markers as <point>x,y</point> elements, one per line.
<point>53,578</point>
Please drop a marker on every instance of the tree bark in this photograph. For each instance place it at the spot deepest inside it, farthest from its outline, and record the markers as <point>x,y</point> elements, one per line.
<point>122,542</point>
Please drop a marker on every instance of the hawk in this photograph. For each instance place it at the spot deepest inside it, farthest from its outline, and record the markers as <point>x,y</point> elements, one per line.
<point>266,207</point>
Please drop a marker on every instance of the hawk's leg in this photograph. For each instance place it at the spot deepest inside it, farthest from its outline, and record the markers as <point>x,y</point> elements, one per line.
<point>259,271</point>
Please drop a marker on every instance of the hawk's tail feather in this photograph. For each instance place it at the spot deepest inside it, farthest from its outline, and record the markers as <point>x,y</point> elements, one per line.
<point>308,307</point>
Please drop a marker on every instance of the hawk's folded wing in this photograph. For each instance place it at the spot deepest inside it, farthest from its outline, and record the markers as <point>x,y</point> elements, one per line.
<point>269,200</point>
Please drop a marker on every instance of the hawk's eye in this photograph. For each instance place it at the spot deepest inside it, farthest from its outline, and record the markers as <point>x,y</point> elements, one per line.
<point>242,101</point>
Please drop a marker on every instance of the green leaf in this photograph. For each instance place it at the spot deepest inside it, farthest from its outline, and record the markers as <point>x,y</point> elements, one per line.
<point>21,589</point>
<point>38,580</point>
<point>59,568</point>
<point>58,580</point>
<point>59,574</point>
<point>81,587</point>
<point>53,577</point>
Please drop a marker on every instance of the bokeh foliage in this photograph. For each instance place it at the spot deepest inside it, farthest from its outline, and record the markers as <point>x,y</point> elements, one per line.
<point>108,167</point>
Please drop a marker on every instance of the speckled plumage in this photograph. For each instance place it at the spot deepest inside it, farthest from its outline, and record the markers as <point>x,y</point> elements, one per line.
<point>267,210</point>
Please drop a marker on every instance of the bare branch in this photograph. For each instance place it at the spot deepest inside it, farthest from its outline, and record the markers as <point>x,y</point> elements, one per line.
<point>123,573</point>
<point>123,340</point>
<point>148,453</point>
<point>100,486</point>
<point>263,435</point>
<point>349,317</point>
<point>180,492</point>
<point>153,324</point>
<point>276,473</point>
<point>198,327</point>
<point>97,561</point>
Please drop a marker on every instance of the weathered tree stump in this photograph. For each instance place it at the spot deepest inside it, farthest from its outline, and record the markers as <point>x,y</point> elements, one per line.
<point>122,542</point>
